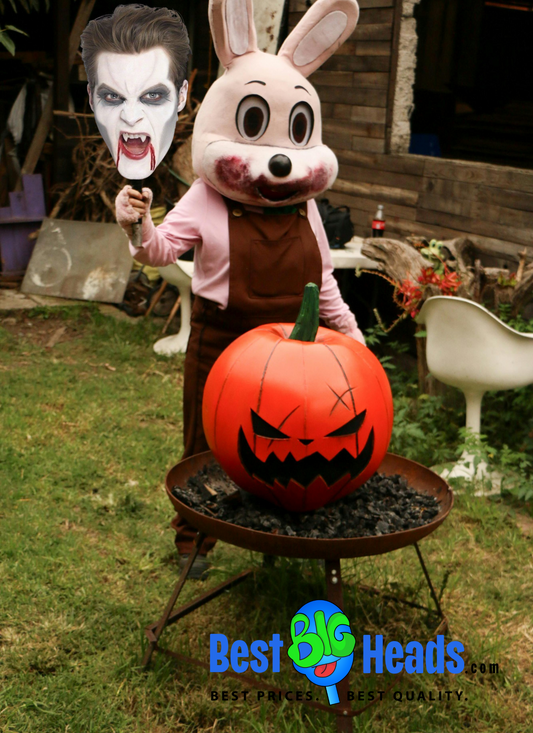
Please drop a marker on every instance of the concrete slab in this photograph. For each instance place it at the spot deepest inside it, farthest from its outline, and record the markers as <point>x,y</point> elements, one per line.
<point>49,301</point>
<point>85,260</point>
<point>11,300</point>
<point>14,300</point>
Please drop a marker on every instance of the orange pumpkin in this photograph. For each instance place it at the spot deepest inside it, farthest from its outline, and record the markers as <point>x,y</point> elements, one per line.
<point>300,419</point>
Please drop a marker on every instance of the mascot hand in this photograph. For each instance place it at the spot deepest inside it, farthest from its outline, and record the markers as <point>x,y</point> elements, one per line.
<point>130,205</point>
<point>357,334</point>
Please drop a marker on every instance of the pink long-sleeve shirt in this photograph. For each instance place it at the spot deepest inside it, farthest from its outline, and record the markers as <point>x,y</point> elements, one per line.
<point>200,220</point>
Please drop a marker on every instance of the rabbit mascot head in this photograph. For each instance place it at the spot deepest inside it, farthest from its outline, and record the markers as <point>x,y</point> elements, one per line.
<point>258,135</point>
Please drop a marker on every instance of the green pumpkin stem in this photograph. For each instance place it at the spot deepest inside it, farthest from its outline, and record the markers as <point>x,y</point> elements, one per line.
<point>306,324</point>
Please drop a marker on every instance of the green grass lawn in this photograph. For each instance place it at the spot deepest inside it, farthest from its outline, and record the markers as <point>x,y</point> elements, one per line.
<point>88,428</point>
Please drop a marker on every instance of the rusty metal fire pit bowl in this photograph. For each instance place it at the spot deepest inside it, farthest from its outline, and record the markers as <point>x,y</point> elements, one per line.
<point>331,550</point>
<point>418,477</point>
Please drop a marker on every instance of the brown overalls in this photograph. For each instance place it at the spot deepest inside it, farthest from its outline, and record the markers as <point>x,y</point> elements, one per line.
<point>272,257</point>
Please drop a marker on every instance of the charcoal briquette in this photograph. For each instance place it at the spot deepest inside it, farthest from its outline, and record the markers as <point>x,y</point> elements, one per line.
<point>384,504</point>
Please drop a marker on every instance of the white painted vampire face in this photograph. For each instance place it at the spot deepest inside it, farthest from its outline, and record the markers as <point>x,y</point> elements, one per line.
<point>136,107</point>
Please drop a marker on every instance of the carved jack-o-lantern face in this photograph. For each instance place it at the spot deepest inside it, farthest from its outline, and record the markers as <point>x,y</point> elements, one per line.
<point>312,466</point>
<point>298,423</point>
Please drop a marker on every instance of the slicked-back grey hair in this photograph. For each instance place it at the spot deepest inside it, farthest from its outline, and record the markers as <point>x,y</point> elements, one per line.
<point>133,29</point>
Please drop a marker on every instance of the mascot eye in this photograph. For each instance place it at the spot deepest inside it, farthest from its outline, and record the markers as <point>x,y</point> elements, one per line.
<point>349,428</point>
<point>301,123</point>
<point>264,429</point>
<point>253,115</point>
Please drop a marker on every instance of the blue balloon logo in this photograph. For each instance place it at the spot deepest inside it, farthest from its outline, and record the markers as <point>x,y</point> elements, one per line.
<point>322,645</point>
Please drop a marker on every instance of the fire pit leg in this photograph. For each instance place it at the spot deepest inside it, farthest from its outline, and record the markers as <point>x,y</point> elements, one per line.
<point>269,561</point>
<point>334,594</point>
<point>428,580</point>
<point>173,598</point>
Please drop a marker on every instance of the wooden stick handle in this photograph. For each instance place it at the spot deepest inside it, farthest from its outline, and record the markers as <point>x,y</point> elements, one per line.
<point>137,228</point>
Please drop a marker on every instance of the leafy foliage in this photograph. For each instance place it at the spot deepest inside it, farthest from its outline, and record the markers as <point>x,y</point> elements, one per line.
<point>28,5</point>
<point>517,322</point>
<point>6,40</point>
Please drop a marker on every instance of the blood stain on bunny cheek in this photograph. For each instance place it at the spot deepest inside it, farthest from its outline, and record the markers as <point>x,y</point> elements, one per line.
<point>234,173</point>
<point>321,176</point>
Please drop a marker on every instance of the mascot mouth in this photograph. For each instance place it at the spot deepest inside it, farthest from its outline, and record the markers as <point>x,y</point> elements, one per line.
<point>306,470</point>
<point>277,193</point>
<point>232,173</point>
<point>325,670</point>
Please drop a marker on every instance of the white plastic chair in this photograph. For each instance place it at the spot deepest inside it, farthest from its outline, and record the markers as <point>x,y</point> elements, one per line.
<point>471,349</point>
<point>179,274</point>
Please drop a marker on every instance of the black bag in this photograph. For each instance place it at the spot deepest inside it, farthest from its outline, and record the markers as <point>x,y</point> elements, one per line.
<point>337,223</point>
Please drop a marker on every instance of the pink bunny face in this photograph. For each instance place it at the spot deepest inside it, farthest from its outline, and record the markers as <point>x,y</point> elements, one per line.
<point>258,135</point>
<point>265,145</point>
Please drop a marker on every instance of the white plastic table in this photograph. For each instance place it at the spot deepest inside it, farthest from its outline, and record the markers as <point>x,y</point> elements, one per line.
<point>351,257</point>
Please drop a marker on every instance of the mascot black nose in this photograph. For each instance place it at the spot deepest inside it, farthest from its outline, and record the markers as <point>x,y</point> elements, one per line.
<point>280,166</point>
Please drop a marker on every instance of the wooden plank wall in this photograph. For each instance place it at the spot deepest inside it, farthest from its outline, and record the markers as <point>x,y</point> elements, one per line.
<point>353,84</point>
<point>434,197</point>
<point>430,197</point>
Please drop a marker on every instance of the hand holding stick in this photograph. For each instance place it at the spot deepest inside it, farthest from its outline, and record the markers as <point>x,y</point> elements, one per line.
<point>131,206</point>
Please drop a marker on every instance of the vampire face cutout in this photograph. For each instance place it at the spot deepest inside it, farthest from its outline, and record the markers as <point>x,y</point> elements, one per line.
<point>136,107</point>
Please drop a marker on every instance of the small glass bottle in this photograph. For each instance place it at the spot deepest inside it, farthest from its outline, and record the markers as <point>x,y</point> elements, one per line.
<point>378,225</point>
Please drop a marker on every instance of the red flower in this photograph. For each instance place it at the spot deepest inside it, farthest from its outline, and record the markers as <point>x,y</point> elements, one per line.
<point>447,283</point>
<point>429,277</point>
<point>411,295</point>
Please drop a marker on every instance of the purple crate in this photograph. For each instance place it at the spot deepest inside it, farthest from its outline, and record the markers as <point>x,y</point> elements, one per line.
<point>17,221</point>
<point>15,246</point>
<point>28,204</point>
<point>34,195</point>
<point>17,203</point>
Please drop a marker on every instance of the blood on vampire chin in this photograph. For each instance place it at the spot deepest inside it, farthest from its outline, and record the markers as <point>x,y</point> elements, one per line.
<point>357,695</point>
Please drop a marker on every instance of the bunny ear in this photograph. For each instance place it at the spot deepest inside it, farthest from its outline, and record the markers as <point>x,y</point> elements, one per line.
<point>325,26</point>
<point>233,29</point>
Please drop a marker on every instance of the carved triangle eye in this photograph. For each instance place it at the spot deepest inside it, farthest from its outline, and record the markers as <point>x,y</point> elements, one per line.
<point>349,428</point>
<point>266,430</point>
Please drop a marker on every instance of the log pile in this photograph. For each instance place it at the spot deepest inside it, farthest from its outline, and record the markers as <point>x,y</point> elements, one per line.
<point>402,261</point>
